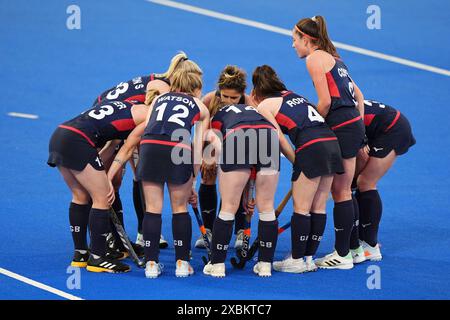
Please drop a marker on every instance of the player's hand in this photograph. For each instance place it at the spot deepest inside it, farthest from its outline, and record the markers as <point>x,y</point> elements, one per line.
<point>193,199</point>
<point>250,207</point>
<point>209,171</point>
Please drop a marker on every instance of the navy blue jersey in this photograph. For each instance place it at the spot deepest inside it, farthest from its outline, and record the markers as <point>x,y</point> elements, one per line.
<point>133,90</point>
<point>299,119</point>
<point>106,121</point>
<point>234,115</point>
<point>378,118</point>
<point>172,111</point>
<point>340,86</point>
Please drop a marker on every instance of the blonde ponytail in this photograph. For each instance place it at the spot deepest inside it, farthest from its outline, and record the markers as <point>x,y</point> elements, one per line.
<point>180,62</point>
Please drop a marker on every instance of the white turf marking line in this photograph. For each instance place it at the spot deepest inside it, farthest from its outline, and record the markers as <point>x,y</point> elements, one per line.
<point>23,115</point>
<point>268,27</point>
<point>38,285</point>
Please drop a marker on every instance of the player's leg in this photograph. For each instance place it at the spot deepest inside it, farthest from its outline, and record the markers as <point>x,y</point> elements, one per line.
<point>265,186</point>
<point>181,226</point>
<point>343,214</point>
<point>231,186</point>
<point>303,194</point>
<point>318,220</point>
<point>78,217</point>
<point>97,184</point>
<point>369,202</point>
<point>151,226</point>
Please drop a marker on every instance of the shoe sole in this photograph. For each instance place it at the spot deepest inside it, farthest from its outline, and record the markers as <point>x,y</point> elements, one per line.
<point>100,269</point>
<point>152,276</point>
<point>215,275</point>
<point>374,259</point>
<point>359,260</point>
<point>291,270</point>
<point>344,267</point>
<point>78,264</point>
<point>183,275</point>
<point>264,275</point>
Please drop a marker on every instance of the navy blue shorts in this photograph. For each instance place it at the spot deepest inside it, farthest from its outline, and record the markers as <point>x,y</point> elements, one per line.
<point>398,138</point>
<point>164,161</point>
<point>318,159</point>
<point>71,150</point>
<point>251,147</point>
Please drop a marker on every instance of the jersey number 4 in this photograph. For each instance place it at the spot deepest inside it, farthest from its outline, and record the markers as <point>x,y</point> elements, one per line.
<point>313,115</point>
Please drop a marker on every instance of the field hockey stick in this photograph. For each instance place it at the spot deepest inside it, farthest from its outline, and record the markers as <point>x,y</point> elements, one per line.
<point>124,238</point>
<point>255,245</point>
<point>242,253</point>
<point>204,235</point>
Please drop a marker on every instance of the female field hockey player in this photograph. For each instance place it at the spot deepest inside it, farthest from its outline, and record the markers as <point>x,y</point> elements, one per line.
<point>230,90</point>
<point>166,158</point>
<point>389,135</point>
<point>74,150</point>
<point>341,103</point>
<point>243,139</point>
<point>134,90</point>
<point>317,157</point>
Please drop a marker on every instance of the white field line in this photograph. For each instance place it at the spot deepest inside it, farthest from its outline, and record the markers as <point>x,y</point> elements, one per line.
<point>23,115</point>
<point>38,285</point>
<point>287,32</point>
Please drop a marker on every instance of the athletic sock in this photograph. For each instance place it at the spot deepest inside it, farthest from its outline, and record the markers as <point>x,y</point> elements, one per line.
<point>300,231</point>
<point>318,223</point>
<point>371,208</point>
<point>267,237</point>
<point>79,220</point>
<point>117,206</point>
<point>182,235</point>
<point>138,202</point>
<point>221,236</point>
<point>151,228</point>
<point>207,197</point>
<point>99,229</point>
<point>354,238</point>
<point>343,224</point>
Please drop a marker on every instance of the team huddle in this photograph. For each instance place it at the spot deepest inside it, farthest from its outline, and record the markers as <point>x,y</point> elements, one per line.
<point>169,134</point>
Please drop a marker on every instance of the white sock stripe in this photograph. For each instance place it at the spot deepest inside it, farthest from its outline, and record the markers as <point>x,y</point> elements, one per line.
<point>226,216</point>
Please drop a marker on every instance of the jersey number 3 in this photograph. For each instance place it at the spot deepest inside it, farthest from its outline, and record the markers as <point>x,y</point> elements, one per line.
<point>99,114</point>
